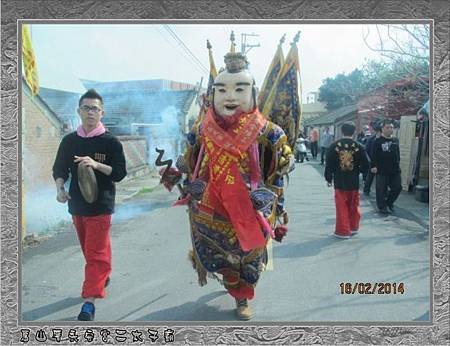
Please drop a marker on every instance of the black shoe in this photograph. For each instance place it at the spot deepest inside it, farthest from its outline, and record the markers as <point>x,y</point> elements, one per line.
<point>391,207</point>
<point>384,211</point>
<point>107,282</point>
<point>87,312</point>
<point>367,193</point>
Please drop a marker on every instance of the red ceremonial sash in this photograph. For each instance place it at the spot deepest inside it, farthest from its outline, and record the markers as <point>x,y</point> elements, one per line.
<point>226,191</point>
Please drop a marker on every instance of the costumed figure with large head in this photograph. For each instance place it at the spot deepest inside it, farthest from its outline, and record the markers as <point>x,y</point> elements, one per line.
<point>234,164</point>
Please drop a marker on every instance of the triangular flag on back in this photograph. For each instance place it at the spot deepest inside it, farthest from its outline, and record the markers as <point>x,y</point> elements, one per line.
<point>29,61</point>
<point>207,98</point>
<point>283,105</point>
<point>212,71</point>
<point>271,76</point>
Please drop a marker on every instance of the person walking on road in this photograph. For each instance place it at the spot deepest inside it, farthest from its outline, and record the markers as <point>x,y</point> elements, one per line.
<point>386,165</point>
<point>314,140</point>
<point>325,141</point>
<point>300,149</point>
<point>364,135</point>
<point>369,150</point>
<point>90,149</point>
<point>346,159</point>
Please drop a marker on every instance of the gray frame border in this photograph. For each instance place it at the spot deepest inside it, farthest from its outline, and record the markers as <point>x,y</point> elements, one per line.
<point>307,11</point>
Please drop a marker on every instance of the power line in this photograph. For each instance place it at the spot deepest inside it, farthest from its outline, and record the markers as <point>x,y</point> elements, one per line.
<point>186,49</point>
<point>188,58</point>
<point>172,45</point>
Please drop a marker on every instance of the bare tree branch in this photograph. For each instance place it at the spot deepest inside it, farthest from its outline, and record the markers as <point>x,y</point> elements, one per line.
<point>395,41</point>
<point>400,49</point>
<point>421,37</point>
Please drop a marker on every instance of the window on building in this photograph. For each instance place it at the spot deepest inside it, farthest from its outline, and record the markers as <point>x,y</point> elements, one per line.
<point>38,132</point>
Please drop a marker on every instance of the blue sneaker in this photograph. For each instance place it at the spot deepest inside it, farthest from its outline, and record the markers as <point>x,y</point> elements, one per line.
<point>87,312</point>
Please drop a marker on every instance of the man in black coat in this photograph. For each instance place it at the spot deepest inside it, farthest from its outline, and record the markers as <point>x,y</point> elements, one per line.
<point>386,165</point>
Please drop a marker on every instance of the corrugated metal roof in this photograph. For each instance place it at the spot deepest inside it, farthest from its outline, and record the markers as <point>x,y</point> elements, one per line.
<point>330,117</point>
<point>124,106</point>
<point>135,85</point>
<point>63,103</point>
<point>147,106</point>
<point>125,86</point>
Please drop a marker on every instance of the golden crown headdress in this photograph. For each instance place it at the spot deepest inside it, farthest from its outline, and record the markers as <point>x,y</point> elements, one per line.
<point>235,62</point>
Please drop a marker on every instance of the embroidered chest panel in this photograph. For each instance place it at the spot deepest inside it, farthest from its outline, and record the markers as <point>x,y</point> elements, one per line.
<point>346,154</point>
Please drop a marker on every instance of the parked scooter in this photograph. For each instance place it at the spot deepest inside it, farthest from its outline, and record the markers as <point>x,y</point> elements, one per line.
<point>300,150</point>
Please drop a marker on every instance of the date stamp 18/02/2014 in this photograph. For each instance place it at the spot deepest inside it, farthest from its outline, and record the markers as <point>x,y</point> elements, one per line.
<point>372,288</point>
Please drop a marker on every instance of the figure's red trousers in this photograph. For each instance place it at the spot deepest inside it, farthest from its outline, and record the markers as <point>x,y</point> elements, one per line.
<point>243,291</point>
<point>348,212</point>
<point>237,288</point>
<point>93,234</point>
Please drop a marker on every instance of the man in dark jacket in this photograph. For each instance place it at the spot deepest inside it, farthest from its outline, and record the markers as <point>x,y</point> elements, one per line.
<point>94,148</point>
<point>386,165</point>
<point>346,159</point>
<point>369,150</point>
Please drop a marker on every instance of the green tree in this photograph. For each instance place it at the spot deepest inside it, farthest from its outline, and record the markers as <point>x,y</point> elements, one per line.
<point>405,53</point>
<point>345,89</point>
<point>342,89</point>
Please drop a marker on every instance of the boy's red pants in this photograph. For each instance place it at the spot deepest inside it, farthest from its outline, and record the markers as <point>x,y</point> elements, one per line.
<point>348,212</point>
<point>93,234</point>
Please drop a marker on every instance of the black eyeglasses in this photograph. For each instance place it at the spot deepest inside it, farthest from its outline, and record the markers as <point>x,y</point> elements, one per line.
<point>87,108</point>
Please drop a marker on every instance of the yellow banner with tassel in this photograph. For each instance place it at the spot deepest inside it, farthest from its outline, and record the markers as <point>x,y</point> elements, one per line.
<point>29,61</point>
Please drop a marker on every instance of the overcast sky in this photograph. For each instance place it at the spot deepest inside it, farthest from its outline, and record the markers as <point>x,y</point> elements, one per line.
<point>111,52</point>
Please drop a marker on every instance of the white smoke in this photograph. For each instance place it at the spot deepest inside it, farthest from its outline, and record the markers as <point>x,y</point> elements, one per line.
<point>168,136</point>
<point>42,213</point>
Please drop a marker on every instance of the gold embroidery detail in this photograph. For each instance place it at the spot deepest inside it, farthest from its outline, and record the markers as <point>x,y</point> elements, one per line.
<point>99,157</point>
<point>346,160</point>
<point>229,179</point>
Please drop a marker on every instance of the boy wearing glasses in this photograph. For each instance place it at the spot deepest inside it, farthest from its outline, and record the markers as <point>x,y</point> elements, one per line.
<point>91,146</point>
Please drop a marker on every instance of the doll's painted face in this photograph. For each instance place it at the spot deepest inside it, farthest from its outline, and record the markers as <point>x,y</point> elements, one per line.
<point>233,93</point>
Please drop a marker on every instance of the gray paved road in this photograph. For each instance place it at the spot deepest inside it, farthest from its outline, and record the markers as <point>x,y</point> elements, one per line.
<point>152,278</point>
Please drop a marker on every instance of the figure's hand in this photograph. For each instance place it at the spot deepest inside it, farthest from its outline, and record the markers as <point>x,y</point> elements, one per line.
<point>86,161</point>
<point>287,166</point>
<point>374,170</point>
<point>62,195</point>
<point>329,184</point>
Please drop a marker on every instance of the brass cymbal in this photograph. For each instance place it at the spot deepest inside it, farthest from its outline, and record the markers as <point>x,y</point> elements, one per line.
<point>87,183</point>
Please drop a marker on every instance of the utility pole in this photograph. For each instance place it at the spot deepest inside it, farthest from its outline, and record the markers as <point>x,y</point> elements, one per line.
<point>245,45</point>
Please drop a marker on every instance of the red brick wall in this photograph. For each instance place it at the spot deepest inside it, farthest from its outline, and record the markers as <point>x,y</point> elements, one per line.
<point>136,153</point>
<point>40,141</point>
